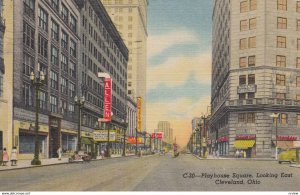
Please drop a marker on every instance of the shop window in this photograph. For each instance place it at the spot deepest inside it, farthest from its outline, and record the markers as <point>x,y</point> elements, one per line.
<point>27,143</point>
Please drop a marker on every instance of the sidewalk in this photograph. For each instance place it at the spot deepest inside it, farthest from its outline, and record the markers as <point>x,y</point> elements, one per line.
<point>23,164</point>
<point>230,158</point>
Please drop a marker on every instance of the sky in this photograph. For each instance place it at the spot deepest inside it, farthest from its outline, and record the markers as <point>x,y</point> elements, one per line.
<point>179,63</point>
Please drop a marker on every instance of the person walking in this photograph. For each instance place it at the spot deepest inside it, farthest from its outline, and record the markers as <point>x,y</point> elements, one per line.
<point>14,156</point>
<point>59,152</point>
<point>102,154</point>
<point>5,157</point>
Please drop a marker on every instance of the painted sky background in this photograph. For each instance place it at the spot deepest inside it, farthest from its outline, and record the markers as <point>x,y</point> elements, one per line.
<point>179,63</point>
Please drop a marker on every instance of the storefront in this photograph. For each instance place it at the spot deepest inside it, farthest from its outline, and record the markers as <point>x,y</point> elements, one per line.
<point>286,142</point>
<point>246,143</point>
<point>69,143</point>
<point>223,145</point>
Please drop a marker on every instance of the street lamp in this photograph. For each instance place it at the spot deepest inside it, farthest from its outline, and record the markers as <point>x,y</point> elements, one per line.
<point>124,131</point>
<point>37,81</point>
<point>80,103</point>
<point>275,116</point>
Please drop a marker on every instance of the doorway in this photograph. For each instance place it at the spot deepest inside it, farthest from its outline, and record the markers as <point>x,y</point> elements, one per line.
<point>54,142</point>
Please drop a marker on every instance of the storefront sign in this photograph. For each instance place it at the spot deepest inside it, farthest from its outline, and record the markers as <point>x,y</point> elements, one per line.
<point>132,140</point>
<point>101,136</point>
<point>246,89</point>
<point>139,114</point>
<point>245,137</point>
<point>107,99</point>
<point>287,138</point>
<point>223,139</point>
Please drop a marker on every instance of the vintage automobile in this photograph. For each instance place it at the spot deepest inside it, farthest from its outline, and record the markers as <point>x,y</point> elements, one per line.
<point>288,155</point>
<point>80,156</point>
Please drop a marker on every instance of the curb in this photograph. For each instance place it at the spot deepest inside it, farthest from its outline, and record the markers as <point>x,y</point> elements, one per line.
<point>238,159</point>
<point>295,166</point>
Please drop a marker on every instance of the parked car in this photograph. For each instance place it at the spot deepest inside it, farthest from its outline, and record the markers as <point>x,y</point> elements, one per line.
<point>288,155</point>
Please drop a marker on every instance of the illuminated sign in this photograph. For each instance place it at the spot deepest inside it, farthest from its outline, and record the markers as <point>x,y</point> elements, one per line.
<point>107,100</point>
<point>139,114</point>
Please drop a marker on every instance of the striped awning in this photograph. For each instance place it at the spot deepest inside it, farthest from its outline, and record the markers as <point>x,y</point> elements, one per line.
<point>244,144</point>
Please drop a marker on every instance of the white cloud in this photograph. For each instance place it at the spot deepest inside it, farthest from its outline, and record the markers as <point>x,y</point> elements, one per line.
<point>159,43</point>
<point>176,71</point>
<point>179,113</point>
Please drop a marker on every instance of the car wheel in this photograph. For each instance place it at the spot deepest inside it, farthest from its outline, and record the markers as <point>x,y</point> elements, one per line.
<point>279,162</point>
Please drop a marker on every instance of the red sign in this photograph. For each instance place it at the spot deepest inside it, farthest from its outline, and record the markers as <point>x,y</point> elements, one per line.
<point>223,139</point>
<point>107,99</point>
<point>159,135</point>
<point>139,114</point>
<point>153,135</point>
<point>245,137</point>
<point>287,138</point>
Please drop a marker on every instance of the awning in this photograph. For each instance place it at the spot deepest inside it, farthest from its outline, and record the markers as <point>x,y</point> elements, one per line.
<point>85,140</point>
<point>244,144</point>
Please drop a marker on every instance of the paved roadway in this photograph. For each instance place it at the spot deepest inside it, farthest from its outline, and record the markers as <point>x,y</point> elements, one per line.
<point>154,173</point>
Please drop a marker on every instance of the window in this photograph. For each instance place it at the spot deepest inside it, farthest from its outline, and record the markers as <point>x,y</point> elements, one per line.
<point>73,49</point>
<point>64,40</point>
<point>281,42</point>
<point>251,61</point>
<point>64,63</point>
<point>241,118</point>
<point>298,6</point>
<point>43,19</point>
<point>252,23</point>
<point>53,80</point>
<point>298,119</point>
<point>298,25</point>
<point>281,23</point>
<point>243,43</point>
<point>53,104</point>
<point>298,62</point>
<point>27,94</point>
<point>73,23</point>
<point>28,35</point>
<point>54,30</point>
<point>54,55</point>
<point>283,118</point>
<point>64,13</point>
<point>280,61</point>
<point>252,42</point>
<point>72,69</point>
<point>250,117</point>
<point>28,64</point>
<point>29,8</point>
<point>298,44</point>
<point>253,5</point>
<point>280,96</point>
<point>43,100</point>
<point>298,82</point>
<point>244,6</point>
<point>281,5</point>
<point>244,25</point>
<point>1,84</point>
<point>63,85</point>
<point>43,46</point>
<point>71,89</point>
<point>280,80</point>
<point>71,108</point>
<point>243,62</point>
<point>251,95</point>
<point>242,80</point>
<point>251,79</point>
<point>55,5</point>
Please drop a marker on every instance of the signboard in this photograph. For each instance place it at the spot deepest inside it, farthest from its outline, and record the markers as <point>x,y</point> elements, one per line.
<point>159,135</point>
<point>245,137</point>
<point>101,136</point>
<point>139,114</point>
<point>223,139</point>
<point>287,138</point>
<point>131,140</point>
<point>107,99</point>
<point>246,89</point>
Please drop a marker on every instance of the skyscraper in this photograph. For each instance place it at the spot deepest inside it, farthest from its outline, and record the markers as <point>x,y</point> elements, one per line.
<point>255,73</point>
<point>165,127</point>
<point>130,18</point>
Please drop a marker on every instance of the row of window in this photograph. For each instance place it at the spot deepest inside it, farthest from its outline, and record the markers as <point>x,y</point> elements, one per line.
<point>250,118</point>
<point>282,23</point>
<point>250,42</point>
<point>250,5</point>
<point>280,61</point>
<point>282,5</point>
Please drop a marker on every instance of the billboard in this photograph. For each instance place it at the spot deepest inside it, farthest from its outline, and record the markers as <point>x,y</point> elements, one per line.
<point>101,136</point>
<point>107,99</point>
<point>139,114</point>
<point>158,135</point>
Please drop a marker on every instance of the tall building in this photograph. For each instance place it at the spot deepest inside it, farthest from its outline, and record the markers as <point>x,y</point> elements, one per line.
<point>195,123</point>
<point>256,72</point>
<point>130,18</point>
<point>70,41</point>
<point>165,127</point>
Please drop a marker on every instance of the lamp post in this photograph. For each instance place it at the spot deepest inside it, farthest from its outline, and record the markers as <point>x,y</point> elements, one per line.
<point>37,81</point>
<point>275,116</point>
<point>80,103</point>
<point>124,143</point>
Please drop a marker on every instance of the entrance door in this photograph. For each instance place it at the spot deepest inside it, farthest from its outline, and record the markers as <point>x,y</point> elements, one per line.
<point>54,142</point>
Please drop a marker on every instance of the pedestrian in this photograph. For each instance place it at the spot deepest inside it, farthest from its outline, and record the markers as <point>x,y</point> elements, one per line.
<point>59,153</point>
<point>102,154</point>
<point>14,156</point>
<point>5,157</point>
<point>237,153</point>
<point>244,154</point>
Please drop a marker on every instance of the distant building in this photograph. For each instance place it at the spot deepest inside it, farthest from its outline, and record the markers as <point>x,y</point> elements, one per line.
<point>195,123</point>
<point>165,127</point>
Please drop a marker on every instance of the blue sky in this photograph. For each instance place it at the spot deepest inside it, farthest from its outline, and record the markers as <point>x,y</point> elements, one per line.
<point>179,62</point>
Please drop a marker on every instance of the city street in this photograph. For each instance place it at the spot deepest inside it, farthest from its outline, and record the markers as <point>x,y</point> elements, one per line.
<point>155,173</point>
